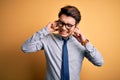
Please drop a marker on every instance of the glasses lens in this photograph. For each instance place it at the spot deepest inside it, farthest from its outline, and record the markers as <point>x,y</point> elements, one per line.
<point>69,26</point>
<point>61,24</point>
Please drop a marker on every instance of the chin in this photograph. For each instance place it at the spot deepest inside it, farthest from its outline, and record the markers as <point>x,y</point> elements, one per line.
<point>64,34</point>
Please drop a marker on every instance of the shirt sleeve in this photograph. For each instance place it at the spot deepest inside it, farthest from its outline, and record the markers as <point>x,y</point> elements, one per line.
<point>93,55</point>
<point>34,43</point>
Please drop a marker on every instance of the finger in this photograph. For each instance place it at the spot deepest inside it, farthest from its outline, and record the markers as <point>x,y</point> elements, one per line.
<point>56,28</point>
<point>49,24</point>
<point>52,25</point>
<point>75,31</point>
<point>75,36</point>
<point>77,27</point>
<point>55,24</point>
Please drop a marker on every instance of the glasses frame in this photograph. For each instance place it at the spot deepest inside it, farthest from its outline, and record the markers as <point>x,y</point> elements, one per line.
<point>67,26</point>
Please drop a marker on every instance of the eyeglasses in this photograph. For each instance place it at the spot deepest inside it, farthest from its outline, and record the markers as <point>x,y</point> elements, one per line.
<point>67,26</point>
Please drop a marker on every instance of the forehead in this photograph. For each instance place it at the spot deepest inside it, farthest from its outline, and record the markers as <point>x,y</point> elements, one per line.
<point>67,19</point>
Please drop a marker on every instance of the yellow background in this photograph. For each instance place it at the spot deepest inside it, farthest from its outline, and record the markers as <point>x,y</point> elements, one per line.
<point>19,19</point>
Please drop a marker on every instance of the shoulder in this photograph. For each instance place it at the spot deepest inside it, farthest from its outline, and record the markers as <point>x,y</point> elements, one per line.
<point>51,37</point>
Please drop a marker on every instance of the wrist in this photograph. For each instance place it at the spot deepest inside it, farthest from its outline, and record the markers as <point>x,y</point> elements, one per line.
<point>49,29</point>
<point>84,42</point>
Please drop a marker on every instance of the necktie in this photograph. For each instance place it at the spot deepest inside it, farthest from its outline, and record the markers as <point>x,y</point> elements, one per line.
<point>65,65</point>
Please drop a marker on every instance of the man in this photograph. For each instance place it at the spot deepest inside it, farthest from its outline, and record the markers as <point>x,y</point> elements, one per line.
<point>66,48</point>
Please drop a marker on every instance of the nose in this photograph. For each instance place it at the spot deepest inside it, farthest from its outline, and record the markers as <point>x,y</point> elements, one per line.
<point>64,27</point>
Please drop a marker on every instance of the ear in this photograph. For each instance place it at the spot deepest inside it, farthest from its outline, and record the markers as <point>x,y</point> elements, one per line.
<point>76,25</point>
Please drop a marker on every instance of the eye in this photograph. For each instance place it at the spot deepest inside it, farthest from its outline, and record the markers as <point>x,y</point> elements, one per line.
<point>60,23</point>
<point>69,25</point>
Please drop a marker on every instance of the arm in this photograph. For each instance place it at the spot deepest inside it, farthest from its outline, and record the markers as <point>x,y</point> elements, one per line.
<point>34,43</point>
<point>93,55</point>
<point>91,52</point>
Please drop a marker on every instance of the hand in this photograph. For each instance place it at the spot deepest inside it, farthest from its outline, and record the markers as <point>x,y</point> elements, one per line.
<point>78,35</point>
<point>52,26</point>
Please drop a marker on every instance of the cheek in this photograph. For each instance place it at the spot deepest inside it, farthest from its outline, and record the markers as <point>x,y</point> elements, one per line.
<point>72,30</point>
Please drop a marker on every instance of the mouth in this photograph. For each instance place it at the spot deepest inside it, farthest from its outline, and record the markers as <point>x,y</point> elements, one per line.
<point>63,32</point>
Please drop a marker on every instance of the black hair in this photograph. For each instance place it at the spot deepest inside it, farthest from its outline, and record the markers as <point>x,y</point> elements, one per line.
<point>71,11</point>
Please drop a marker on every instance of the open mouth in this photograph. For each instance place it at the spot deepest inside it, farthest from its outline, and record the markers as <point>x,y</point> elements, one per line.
<point>63,32</point>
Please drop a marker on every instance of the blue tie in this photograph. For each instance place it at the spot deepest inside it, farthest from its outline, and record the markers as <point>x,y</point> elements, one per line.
<point>65,65</point>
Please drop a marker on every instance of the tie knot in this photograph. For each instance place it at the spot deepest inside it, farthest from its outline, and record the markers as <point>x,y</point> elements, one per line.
<point>65,39</point>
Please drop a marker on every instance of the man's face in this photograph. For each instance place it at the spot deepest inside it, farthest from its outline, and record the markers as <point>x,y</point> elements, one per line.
<point>66,25</point>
